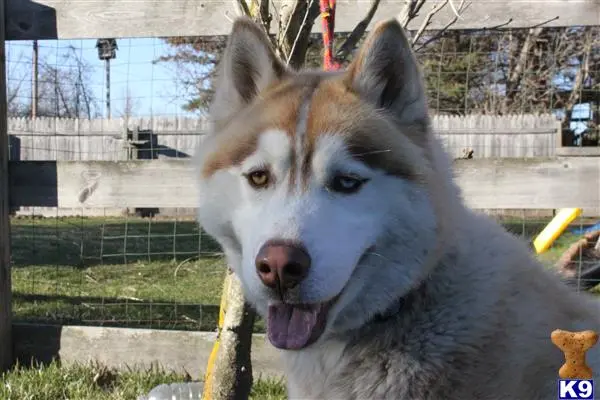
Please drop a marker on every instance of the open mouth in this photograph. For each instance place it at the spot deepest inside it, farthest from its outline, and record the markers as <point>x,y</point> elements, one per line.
<point>296,326</point>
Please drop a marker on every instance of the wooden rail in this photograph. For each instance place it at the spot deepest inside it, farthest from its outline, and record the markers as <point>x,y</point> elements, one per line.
<point>81,19</point>
<point>485,183</point>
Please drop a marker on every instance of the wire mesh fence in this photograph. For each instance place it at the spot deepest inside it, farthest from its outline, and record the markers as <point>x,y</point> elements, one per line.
<point>155,268</point>
<point>508,71</point>
<point>116,272</point>
<point>513,71</point>
<point>166,273</point>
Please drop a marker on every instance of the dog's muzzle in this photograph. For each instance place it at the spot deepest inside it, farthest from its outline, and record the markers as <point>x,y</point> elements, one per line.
<point>282,265</point>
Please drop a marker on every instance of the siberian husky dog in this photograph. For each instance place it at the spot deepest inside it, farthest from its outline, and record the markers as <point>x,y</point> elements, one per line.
<point>336,208</point>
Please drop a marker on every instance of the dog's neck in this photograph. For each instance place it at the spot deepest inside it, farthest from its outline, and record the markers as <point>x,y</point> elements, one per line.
<point>417,295</point>
<point>401,305</point>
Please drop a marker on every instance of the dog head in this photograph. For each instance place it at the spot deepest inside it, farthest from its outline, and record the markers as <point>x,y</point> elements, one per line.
<point>319,186</point>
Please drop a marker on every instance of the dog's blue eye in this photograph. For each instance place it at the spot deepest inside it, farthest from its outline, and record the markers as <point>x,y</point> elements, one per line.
<point>346,184</point>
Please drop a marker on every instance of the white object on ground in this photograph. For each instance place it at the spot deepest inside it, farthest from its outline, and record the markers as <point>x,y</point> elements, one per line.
<point>176,391</point>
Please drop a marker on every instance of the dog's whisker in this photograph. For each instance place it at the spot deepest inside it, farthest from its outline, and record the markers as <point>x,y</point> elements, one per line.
<point>378,255</point>
<point>373,152</point>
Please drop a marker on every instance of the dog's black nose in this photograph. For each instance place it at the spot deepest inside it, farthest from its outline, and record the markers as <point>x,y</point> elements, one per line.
<point>282,264</point>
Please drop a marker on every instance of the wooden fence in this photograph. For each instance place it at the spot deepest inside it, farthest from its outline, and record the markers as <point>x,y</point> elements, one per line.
<point>45,139</point>
<point>54,139</point>
<point>63,139</point>
<point>42,139</point>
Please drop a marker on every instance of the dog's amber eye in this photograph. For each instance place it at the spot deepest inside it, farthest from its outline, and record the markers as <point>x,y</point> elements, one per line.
<point>347,184</point>
<point>258,179</point>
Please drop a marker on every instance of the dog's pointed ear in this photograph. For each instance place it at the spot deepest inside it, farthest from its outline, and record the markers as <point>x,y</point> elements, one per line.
<point>385,73</point>
<point>247,66</point>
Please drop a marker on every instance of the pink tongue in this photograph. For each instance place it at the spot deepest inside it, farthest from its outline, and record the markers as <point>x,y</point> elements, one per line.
<point>290,327</point>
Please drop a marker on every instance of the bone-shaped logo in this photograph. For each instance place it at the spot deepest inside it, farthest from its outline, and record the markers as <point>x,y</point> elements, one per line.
<point>574,345</point>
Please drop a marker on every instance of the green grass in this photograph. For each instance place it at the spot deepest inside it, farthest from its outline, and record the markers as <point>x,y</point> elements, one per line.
<point>96,382</point>
<point>135,272</point>
<point>115,272</point>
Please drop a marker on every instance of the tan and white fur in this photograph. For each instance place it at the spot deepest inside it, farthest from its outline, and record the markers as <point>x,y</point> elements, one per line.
<point>420,297</point>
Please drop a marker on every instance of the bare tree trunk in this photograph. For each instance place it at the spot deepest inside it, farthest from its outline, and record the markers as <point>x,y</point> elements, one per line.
<point>298,19</point>
<point>63,99</point>
<point>84,92</point>
<point>582,72</point>
<point>232,375</point>
<point>516,74</point>
<point>410,11</point>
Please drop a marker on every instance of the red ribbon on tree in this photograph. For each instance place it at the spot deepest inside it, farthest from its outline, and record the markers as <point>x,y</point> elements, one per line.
<point>328,21</point>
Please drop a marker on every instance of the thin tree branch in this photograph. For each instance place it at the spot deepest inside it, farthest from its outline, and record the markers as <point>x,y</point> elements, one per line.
<point>461,8</point>
<point>286,17</point>
<point>441,32</point>
<point>244,8</point>
<point>357,33</point>
<point>300,31</point>
<point>259,12</point>
<point>582,72</point>
<point>410,11</point>
<point>82,87</point>
<point>454,10</point>
<point>544,23</point>
<point>427,21</point>
<point>497,27</point>
<point>265,15</point>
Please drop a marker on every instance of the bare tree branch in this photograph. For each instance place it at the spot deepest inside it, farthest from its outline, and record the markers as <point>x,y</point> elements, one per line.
<point>442,31</point>
<point>66,92</point>
<point>82,91</point>
<point>410,11</point>
<point>427,21</point>
<point>258,10</point>
<point>244,7</point>
<point>264,16</point>
<point>357,33</point>
<point>516,73</point>
<point>582,72</point>
<point>454,10</point>
<point>130,105</point>
<point>14,91</point>
<point>303,26</point>
<point>499,26</point>
<point>298,19</point>
<point>434,10</point>
<point>544,23</point>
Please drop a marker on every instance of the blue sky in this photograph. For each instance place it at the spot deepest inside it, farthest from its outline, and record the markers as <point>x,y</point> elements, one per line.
<point>152,87</point>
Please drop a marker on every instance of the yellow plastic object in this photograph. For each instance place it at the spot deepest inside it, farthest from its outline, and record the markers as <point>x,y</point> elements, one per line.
<point>553,230</point>
<point>207,392</point>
